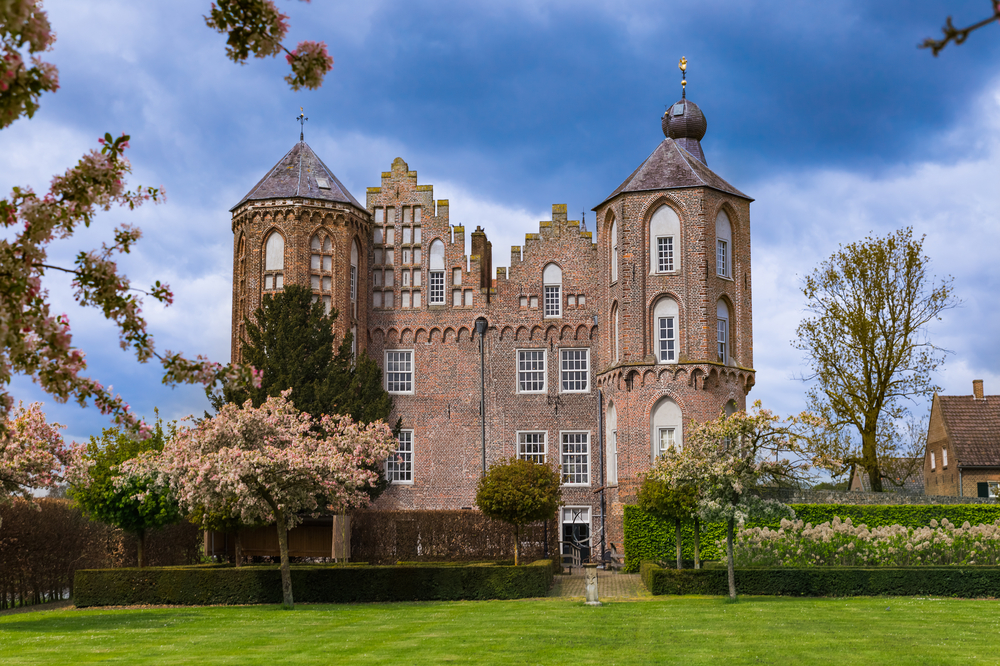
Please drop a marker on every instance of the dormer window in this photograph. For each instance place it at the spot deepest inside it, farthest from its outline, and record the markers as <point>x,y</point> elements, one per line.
<point>322,183</point>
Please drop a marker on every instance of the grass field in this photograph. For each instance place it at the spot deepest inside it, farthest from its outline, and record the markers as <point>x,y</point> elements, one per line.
<point>676,630</point>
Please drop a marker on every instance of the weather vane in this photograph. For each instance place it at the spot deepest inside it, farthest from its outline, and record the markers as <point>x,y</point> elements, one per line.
<point>302,122</point>
<point>683,65</point>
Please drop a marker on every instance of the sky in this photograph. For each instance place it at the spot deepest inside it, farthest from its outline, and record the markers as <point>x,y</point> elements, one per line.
<point>825,113</point>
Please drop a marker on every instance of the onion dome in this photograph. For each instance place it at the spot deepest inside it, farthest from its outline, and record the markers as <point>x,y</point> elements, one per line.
<point>685,123</point>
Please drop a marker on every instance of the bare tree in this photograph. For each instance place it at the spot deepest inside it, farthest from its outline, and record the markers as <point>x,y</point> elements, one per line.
<point>866,338</point>
<point>959,35</point>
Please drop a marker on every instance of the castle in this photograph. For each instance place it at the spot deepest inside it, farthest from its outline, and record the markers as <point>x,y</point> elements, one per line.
<point>592,353</point>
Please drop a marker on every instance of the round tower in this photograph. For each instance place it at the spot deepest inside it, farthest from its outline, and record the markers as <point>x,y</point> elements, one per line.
<point>300,225</point>
<point>674,249</point>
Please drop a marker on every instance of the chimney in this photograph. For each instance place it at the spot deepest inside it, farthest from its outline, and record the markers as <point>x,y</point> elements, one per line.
<point>977,389</point>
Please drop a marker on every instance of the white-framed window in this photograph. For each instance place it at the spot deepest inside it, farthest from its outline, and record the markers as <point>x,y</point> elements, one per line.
<point>531,445</point>
<point>399,466</point>
<point>611,443</point>
<point>575,458</point>
<point>665,254</point>
<point>574,370</point>
<point>933,462</point>
<point>531,370</point>
<point>552,290</point>
<point>722,331</point>
<point>614,252</point>
<point>665,317</point>
<point>723,243</point>
<point>944,458</point>
<point>993,488</point>
<point>666,439</point>
<point>664,232</point>
<point>666,427</point>
<point>399,371</point>
<point>437,273</point>
<point>274,262</point>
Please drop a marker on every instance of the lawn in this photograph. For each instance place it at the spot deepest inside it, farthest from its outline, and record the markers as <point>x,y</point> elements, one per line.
<point>688,630</point>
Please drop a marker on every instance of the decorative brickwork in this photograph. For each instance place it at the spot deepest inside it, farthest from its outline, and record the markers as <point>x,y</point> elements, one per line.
<point>593,365</point>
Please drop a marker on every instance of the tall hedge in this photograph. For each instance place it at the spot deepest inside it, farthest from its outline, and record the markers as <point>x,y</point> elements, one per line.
<point>201,585</point>
<point>647,538</point>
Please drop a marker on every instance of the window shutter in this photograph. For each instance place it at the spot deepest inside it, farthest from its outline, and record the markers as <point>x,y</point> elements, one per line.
<point>984,489</point>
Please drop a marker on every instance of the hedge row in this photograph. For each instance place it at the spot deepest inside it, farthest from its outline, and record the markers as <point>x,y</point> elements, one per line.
<point>647,538</point>
<point>223,584</point>
<point>966,582</point>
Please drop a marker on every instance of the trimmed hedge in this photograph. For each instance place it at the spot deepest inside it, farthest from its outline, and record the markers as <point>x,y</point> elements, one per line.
<point>647,538</point>
<point>223,584</point>
<point>965,582</point>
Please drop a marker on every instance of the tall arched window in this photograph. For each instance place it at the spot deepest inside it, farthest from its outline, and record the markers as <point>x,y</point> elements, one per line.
<point>552,290</point>
<point>611,444</point>
<point>614,251</point>
<point>354,278</point>
<point>321,269</point>
<point>723,332</point>
<point>665,320</point>
<point>436,283</point>
<point>723,245</point>
<point>241,287</point>
<point>731,408</point>
<point>615,346</point>
<point>274,262</point>
<point>666,427</point>
<point>664,237</point>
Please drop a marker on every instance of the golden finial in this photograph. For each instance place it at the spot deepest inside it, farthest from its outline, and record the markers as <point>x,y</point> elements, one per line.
<point>683,65</point>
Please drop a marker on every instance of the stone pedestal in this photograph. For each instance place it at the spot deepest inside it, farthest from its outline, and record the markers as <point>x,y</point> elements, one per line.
<point>590,583</point>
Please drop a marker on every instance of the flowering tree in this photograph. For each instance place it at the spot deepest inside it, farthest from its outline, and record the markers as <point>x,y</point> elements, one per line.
<point>271,464</point>
<point>32,453</point>
<point>729,459</point>
<point>34,341</point>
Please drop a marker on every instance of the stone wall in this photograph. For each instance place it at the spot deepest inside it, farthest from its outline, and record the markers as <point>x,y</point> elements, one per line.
<point>789,496</point>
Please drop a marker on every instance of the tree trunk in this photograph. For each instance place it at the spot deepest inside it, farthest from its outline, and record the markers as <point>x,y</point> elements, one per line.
<point>142,548</point>
<point>869,455</point>
<point>286,569</point>
<point>239,548</point>
<point>729,557</point>
<point>697,543</point>
<point>517,541</point>
<point>679,541</point>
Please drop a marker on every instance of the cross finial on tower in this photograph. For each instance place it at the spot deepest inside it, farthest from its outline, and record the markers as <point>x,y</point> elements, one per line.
<point>683,65</point>
<point>583,220</point>
<point>302,123</point>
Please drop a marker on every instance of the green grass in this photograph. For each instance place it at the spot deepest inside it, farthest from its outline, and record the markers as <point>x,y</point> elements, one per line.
<point>682,630</point>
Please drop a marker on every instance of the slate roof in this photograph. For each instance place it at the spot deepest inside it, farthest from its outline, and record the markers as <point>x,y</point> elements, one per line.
<point>670,166</point>
<point>973,427</point>
<point>295,175</point>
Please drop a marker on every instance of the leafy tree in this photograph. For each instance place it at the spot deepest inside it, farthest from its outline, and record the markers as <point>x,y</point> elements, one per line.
<point>672,503</point>
<point>520,492</point>
<point>730,460</point>
<point>134,503</point>
<point>40,344</point>
<point>269,465</point>
<point>32,453</point>
<point>866,338</point>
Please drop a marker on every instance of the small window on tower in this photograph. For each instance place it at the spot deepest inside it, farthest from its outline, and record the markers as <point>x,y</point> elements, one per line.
<point>678,109</point>
<point>323,185</point>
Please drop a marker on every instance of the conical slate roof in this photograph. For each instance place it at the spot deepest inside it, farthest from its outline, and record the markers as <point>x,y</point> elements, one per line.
<point>300,173</point>
<point>670,166</point>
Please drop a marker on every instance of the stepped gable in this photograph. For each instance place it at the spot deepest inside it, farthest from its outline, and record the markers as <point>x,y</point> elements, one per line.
<point>298,174</point>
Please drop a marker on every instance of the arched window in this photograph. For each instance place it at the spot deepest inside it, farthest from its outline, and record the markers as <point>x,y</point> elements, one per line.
<point>354,278</point>
<point>723,335</point>
<point>664,236</point>
<point>731,408</point>
<point>611,444</point>
<point>274,262</point>
<point>437,273</point>
<point>241,288</point>
<point>666,427</point>
<point>614,251</point>
<point>665,321</point>
<point>321,269</point>
<point>552,290</point>
<point>615,347</point>
<point>723,245</point>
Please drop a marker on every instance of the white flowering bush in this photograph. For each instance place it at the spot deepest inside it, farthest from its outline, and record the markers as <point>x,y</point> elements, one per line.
<point>841,543</point>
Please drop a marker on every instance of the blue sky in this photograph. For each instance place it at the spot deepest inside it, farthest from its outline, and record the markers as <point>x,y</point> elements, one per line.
<point>826,113</point>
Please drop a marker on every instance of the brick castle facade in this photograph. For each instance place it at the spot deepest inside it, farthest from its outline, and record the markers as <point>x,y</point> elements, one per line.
<point>598,352</point>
